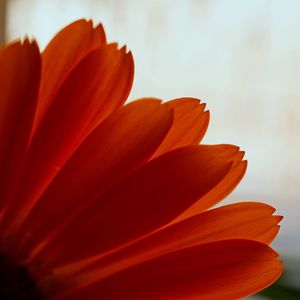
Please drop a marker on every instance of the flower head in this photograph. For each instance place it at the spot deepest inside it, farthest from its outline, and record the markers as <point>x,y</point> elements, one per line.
<point>104,200</point>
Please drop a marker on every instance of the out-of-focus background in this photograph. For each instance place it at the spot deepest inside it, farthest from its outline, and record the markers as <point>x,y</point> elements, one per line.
<point>241,57</point>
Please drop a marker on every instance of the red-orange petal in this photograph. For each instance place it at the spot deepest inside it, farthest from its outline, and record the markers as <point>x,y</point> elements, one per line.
<point>20,67</point>
<point>145,200</point>
<point>229,269</point>
<point>125,140</point>
<point>189,125</point>
<point>62,54</point>
<point>222,190</point>
<point>96,87</point>
<point>245,220</point>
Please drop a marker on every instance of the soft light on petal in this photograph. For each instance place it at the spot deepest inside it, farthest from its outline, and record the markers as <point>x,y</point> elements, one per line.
<point>145,200</point>
<point>20,67</point>
<point>248,220</point>
<point>62,54</point>
<point>115,148</point>
<point>81,104</point>
<point>189,125</point>
<point>230,269</point>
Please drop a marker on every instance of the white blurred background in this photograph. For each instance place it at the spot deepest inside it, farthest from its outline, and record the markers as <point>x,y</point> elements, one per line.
<point>241,57</point>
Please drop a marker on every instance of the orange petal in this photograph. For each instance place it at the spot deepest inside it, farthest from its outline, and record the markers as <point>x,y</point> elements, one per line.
<point>220,191</point>
<point>248,220</point>
<point>20,67</point>
<point>189,125</point>
<point>62,54</point>
<point>145,200</point>
<point>125,140</point>
<point>81,103</point>
<point>230,269</point>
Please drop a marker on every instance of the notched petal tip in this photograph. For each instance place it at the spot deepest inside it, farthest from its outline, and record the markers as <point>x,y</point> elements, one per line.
<point>148,99</point>
<point>82,22</point>
<point>237,158</point>
<point>242,152</point>
<point>235,154</point>
<point>112,46</point>
<point>130,60</point>
<point>27,42</point>
<point>90,22</point>
<point>206,113</point>
<point>21,42</point>
<point>129,53</point>
<point>278,218</point>
<point>99,26</point>
<point>25,45</point>
<point>186,100</point>
<point>203,105</point>
<point>271,210</point>
<point>123,49</point>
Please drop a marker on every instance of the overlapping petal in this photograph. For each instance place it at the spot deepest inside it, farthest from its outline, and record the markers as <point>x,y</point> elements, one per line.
<point>20,68</point>
<point>189,125</point>
<point>149,198</point>
<point>229,269</point>
<point>97,86</point>
<point>62,54</point>
<point>223,188</point>
<point>248,220</point>
<point>114,149</point>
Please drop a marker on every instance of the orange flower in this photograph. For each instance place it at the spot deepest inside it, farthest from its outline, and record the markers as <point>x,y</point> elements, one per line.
<point>100,200</point>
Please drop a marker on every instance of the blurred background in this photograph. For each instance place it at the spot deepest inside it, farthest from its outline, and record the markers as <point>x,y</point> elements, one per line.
<point>240,57</point>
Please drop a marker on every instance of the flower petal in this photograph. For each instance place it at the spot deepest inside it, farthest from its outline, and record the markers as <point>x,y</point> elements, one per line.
<point>248,220</point>
<point>189,125</point>
<point>220,191</point>
<point>82,102</point>
<point>115,148</point>
<point>80,105</point>
<point>230,269</point>
<point>145,200</point>
<point>20,66</point>
<point>62,54</point>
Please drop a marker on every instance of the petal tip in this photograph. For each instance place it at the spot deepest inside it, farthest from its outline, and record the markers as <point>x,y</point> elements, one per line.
<point>278,218</point>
